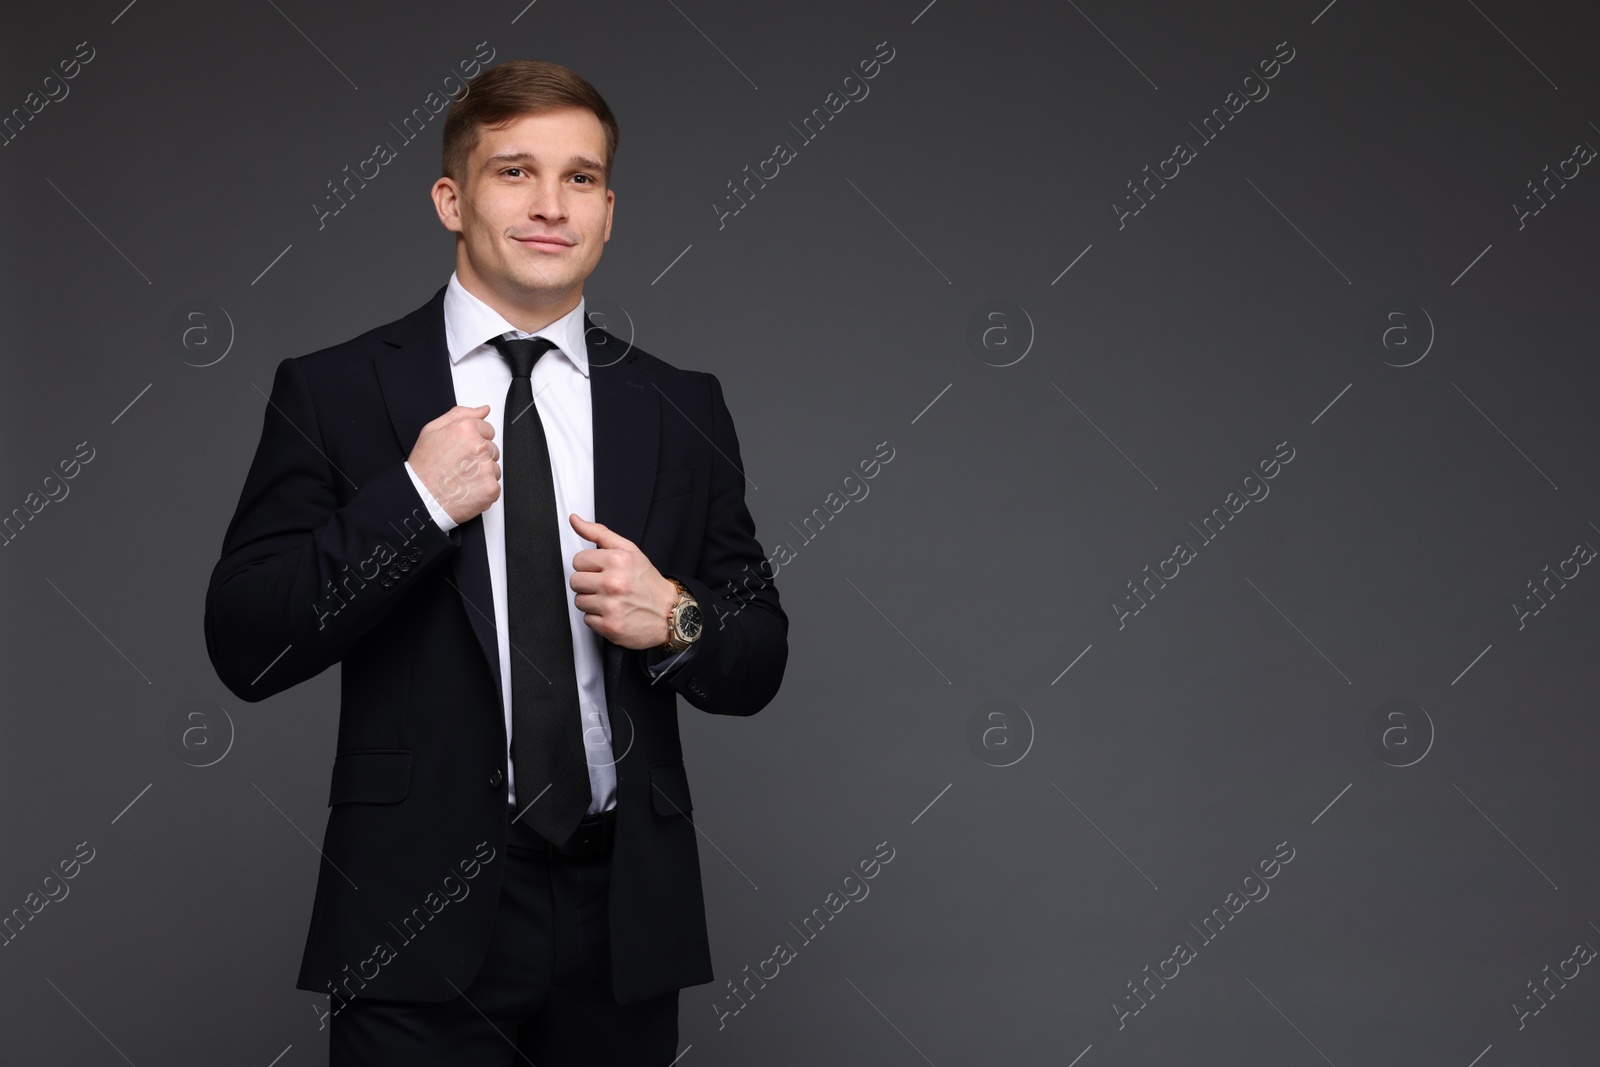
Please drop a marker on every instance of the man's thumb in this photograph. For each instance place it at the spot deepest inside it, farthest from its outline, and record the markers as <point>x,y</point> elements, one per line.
<point>600,531</point>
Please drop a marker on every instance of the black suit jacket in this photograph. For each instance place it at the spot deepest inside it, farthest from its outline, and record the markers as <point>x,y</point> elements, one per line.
<point>331,557</point>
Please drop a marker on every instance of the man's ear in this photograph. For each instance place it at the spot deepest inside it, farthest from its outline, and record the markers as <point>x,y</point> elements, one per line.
<point>446,196</point>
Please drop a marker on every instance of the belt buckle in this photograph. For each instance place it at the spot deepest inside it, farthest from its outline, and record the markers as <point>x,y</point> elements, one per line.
<point>591,838</point>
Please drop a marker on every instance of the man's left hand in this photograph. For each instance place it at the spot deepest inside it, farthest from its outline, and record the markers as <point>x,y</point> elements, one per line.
<point>621,594</point>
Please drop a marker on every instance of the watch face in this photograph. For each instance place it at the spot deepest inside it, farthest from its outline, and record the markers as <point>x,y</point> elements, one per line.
<point>689,621</point>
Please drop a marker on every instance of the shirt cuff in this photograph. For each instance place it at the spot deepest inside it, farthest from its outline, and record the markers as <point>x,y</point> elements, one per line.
<point>440,517</point>
<point>658,662</point>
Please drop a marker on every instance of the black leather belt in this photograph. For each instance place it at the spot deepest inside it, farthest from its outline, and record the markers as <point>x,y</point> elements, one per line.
<point>592,837</point>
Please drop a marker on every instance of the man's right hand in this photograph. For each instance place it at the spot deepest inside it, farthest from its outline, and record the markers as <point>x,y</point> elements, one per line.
<point>457,460</point>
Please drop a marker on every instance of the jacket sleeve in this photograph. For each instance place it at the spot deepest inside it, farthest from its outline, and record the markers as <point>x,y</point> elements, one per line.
<point>303,577</point>
<point>737,665</point>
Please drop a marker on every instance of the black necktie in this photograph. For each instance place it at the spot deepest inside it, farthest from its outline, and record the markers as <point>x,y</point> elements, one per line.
<point>547,753</point>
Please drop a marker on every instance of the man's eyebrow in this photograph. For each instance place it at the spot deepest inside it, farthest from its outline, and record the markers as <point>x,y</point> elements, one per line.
<point>575,162</point>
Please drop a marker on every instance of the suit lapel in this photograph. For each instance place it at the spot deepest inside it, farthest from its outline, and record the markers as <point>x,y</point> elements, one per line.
<point>625,411</point>
<point>626,419</point>
<point>418,388</point>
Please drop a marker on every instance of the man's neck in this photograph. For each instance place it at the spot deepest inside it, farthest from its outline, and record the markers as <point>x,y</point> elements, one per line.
<point>529,318</point>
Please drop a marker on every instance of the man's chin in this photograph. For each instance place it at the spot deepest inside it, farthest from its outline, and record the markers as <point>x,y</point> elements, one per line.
<point>542,286</point>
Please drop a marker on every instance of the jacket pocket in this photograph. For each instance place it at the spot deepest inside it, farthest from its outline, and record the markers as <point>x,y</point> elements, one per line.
<point>669,789</point>
<point>674,481</point>
<point>370,776</point>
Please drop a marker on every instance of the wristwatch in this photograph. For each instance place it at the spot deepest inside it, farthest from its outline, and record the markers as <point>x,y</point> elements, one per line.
<point>683,620</point>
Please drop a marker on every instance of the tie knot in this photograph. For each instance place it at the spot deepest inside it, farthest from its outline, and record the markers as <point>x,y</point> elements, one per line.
<point>522,352</point>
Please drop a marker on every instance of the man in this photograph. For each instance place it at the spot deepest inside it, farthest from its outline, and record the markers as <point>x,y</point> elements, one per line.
<point>510,868</point>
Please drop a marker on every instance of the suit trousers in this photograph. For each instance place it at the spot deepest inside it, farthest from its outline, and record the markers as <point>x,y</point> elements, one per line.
<point>543,994</point>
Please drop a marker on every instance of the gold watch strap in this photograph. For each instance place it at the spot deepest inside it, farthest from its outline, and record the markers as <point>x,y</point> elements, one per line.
<point>671,644</point>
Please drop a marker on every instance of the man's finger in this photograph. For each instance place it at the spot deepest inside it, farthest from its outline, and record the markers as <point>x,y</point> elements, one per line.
<point>603,536</point>
<point>585,581</point>
<point>587,559</point>
<point>462,412</point>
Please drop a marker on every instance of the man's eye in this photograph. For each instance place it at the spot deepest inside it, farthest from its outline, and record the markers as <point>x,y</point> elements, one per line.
<point>585,177</point>
<point>509,170</point>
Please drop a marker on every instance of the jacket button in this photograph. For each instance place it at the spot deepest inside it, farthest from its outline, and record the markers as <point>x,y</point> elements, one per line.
<point>416,555</point>
<point>496,777</point>
<point>386,580</point>
<point>697,687</point>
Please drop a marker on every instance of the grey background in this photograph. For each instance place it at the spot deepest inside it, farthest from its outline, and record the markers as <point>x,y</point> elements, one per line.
<point>1235,312</point>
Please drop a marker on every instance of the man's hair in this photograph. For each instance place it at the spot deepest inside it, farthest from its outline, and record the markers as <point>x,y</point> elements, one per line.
<point>518,87</point>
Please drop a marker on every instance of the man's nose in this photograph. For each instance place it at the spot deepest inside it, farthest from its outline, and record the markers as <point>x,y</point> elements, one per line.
<point>546,202</point>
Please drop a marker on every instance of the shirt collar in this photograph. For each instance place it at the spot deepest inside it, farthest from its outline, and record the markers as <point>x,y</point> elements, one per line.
<point>469,323</point>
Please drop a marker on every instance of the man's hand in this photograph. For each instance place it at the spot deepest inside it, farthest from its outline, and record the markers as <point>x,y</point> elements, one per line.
<point>456,460</point>
<point>621,594</point>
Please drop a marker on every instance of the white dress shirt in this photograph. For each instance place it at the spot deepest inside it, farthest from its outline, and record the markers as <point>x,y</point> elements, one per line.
<point>561,396</point>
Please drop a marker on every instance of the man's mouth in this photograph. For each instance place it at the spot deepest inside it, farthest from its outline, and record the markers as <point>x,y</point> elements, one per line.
<point>544,241</point>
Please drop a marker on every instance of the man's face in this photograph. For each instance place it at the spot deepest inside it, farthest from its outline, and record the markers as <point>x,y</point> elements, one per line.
<point>532,208</point>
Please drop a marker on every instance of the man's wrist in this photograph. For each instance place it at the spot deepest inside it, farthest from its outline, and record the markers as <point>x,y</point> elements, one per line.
<point>666,615</point>
<point>436,511</point>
